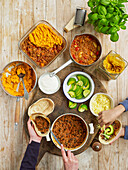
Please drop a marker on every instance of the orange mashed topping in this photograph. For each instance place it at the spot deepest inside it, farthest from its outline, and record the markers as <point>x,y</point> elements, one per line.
<point>44,36</point>
<point>10,79</point>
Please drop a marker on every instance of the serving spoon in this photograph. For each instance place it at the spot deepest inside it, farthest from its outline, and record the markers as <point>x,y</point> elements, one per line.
<point>21,76</point>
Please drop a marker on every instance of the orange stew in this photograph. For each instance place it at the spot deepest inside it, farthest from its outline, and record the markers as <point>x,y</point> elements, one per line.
<point>40,55</point>
<point>70,131</point>
<point>42,124</point>
<point>85,49</point>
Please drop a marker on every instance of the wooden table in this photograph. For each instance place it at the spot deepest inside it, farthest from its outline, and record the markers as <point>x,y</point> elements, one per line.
<point>16,17</point>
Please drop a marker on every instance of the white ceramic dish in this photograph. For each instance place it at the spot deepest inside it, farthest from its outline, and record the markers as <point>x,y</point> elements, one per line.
<point>43,89</point>
<point>90,103</point>
<point>66,87</point>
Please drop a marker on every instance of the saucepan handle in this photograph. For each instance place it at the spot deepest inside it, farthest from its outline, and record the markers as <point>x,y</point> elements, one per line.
<point>91,128</point>
<point>61,67</point>
<point>0,74</point>
<point>48,137</point>
<point>17,112</point>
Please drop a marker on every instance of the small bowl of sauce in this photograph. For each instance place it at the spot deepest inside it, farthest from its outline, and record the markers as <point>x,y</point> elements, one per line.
<point>49,85</point>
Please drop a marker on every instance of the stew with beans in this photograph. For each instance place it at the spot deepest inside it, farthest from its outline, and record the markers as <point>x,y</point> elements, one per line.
<point>42,124</point>
<point>70,131</point>
<point>85,49</point>
<point>40,55</point>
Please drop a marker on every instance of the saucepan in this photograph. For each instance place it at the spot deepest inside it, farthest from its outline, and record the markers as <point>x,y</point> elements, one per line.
<point>54,125</point>
<point>73,58</point>
<point>9,67</point>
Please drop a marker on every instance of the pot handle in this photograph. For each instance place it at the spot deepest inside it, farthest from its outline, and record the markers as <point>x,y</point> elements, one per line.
<point>0,74</point>
<point>17,112</point>
<point>91,128</point>
<point>48,137</point>
<point>60,68</point>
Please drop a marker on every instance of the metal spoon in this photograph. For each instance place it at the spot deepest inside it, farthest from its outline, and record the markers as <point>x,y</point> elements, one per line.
<point>21,76</point>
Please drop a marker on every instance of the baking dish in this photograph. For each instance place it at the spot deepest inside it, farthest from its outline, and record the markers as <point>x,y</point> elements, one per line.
<point>30,30</point>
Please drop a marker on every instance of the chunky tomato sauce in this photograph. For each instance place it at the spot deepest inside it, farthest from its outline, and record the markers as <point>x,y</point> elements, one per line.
<point>85,49</point>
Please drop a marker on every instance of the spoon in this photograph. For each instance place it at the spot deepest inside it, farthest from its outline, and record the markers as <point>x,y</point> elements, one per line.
<point>21,76</point>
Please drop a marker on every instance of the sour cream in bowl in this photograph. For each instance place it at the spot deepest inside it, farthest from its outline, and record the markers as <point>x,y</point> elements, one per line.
<point>49,85</point>
<point>100,102</point>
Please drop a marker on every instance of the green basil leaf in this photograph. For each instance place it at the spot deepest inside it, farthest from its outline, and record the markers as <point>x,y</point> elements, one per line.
<point>105,2</point>
<point>90,4</point>
<point>123,27</point>
<point>103,22</point>
<point>102,10</point>
<point>104,30</point>
<point>110,10</point>
<point>109,15</point>
<point>122,23</point>
<point>114,37</point>
<point>94,16</point>
<point>101,16</point>
<point>125,16</point>
<point>112,30</point>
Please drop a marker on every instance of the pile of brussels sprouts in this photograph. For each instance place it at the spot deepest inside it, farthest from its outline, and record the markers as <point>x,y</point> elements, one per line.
<point>108,16</point>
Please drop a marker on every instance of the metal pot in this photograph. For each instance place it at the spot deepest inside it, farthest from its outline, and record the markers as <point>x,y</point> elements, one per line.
<point>17,110</point>
<point>72,60</point>
<point>85,140</point>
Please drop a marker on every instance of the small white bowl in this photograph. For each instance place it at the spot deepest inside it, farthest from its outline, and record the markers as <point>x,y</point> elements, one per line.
<point>48,91</point>
<point>90,103</point>
<point>66,87</point>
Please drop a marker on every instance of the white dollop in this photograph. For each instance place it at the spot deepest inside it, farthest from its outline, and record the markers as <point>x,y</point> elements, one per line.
<point>49,84</point>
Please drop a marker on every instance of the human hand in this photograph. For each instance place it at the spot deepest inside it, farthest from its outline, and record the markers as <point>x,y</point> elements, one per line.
<point>70,161</point>
<point>121,133</point>
<point>32,133</point>
<point>108,116</point>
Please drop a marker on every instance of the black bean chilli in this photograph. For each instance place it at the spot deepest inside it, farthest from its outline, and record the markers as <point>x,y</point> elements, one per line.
<point>70,130</point>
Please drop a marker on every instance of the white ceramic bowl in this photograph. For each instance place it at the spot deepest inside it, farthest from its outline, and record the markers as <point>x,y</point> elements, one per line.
<point>66,87</point>
<point>51,84</point>
<point>90,103</point>
<point>85,140</point>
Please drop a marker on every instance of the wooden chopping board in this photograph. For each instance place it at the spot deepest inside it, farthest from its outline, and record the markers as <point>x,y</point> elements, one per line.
<point>61,106</point>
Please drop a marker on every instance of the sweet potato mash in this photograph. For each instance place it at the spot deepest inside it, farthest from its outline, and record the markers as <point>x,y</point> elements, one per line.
<point>10,79</point>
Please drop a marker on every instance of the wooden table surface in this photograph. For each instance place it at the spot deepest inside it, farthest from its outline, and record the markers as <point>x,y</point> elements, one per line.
<point>16,17</point>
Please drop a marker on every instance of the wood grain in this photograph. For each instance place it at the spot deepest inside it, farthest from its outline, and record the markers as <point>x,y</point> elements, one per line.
<point>16,17</point>
<point>61,107</point>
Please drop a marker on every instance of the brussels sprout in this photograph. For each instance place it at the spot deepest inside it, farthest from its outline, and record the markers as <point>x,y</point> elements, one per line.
<point>114,37</point>
<point>82,108</point>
